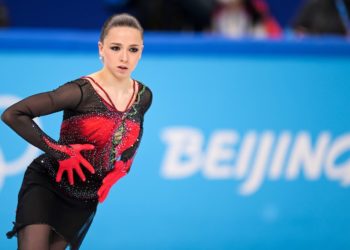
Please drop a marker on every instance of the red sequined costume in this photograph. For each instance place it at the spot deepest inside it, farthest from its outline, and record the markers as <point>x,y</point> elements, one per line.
<point>87,119</point>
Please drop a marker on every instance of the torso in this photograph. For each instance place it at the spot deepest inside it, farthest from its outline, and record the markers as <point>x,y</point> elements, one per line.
<point>115,134</point>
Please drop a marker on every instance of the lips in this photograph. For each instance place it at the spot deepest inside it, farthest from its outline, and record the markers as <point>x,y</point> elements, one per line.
<point>122,67</point>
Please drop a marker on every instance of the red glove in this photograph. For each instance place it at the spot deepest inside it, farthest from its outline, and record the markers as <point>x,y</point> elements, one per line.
<point>73,162</point>
<point>120,169</point>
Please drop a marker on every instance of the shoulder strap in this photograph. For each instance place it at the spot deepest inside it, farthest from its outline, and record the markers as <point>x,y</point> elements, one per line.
<point>105,92</point>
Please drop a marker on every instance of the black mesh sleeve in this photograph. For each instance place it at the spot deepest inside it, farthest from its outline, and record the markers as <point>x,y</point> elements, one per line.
<point>147,100</point>
<point>20,115</point>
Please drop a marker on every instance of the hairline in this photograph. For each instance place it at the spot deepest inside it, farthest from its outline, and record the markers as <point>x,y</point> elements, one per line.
<point>118,26</point>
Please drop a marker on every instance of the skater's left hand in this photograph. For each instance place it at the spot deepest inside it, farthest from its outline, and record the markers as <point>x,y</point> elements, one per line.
<point>120,169</point>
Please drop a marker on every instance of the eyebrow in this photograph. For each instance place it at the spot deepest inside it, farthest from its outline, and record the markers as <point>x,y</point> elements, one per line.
<point>129,45</point>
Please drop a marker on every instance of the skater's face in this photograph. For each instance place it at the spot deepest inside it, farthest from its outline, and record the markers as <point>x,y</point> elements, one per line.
<point>121,50</point>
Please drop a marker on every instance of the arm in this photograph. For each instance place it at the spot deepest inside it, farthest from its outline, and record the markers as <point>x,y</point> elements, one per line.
<point>121,168</point>
<point>20,117</point>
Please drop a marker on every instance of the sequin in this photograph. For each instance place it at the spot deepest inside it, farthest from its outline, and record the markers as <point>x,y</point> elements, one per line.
<point>87,119</point>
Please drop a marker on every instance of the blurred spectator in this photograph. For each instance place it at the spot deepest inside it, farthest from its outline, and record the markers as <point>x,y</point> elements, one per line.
<point>321,17</point>
<point>239,18</point>
<point>4,20</point>
<point>194,15</point>
<point>172,15</point>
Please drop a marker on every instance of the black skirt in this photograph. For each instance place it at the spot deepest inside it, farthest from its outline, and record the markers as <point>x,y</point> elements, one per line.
<point>41,202</point>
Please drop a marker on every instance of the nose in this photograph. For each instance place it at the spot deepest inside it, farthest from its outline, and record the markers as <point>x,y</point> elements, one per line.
<point>124,56</point>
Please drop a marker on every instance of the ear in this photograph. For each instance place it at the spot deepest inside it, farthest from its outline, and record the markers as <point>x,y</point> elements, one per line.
<point>100,49</point>
<point>141,51</point>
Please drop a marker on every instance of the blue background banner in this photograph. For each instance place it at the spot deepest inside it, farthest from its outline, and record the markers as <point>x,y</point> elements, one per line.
<point>246,145</point>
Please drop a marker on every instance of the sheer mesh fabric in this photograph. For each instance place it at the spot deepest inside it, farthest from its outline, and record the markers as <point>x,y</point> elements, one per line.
<point>40,237</point>
<point>20,115</point>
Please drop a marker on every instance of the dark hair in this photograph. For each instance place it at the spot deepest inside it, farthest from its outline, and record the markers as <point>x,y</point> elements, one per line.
<point>120,20</point>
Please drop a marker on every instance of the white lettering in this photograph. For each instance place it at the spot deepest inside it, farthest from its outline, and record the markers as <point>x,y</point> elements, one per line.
<point>280,156</point>
<point>259,166</point>
<point>218,153</point>
<point>255,157</point>
<point>245,155</point>
<point>184,152</point>
<point>339,171</point>
<point>303,157</point>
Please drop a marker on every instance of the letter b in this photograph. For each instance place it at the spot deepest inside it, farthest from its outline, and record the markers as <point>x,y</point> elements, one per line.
<point>183,152</point>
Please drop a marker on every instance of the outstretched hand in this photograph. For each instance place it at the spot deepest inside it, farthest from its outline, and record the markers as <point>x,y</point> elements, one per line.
<point>74,162</point>
<point>120,169</point>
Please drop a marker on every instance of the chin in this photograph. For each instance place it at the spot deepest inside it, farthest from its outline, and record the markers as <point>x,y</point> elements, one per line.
<point>121,76</point>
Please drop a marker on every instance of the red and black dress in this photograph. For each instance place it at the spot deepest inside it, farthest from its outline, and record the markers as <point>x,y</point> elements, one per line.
<point>87,119</point>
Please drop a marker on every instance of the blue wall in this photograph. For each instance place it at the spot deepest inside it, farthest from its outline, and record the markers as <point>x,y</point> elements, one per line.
<point>246,145</point>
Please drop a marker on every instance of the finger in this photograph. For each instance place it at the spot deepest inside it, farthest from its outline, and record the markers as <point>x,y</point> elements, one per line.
<point>70,176</point>
<point>101,190</point>
<point>105,194</point>
<point>86,164</point>
<point>113,177</point>
<point>80,172</point>
<point>103,197</point>
<point>118,175</point>
<point>59,175</point>
<point>99,193</point>
<point>107,179</point>
<point>84,147</point>
<point>88,147</point>
<point>100,199</point>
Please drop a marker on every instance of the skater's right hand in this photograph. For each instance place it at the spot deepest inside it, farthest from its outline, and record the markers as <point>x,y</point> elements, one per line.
<point>74,162</point>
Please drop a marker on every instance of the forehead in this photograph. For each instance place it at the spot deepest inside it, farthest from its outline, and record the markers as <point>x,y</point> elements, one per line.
<point>123,35</point>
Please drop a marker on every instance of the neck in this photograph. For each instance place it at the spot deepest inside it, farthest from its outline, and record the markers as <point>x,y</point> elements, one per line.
<point>109,80</point>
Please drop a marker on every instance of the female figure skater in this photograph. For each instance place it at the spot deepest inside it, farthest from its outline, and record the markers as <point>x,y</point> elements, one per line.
<point>100,133</point>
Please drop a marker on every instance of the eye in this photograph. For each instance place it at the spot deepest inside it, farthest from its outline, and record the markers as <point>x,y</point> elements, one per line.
<point>115,48</point>
<point>133,50</point>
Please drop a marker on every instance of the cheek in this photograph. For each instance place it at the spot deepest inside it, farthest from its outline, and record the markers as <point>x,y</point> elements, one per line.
<point>108,55</point>
<point>110,58</point>
<point>135,59</point>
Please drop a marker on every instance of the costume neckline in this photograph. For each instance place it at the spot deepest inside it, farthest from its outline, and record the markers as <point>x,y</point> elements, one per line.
<point>109,102</point>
